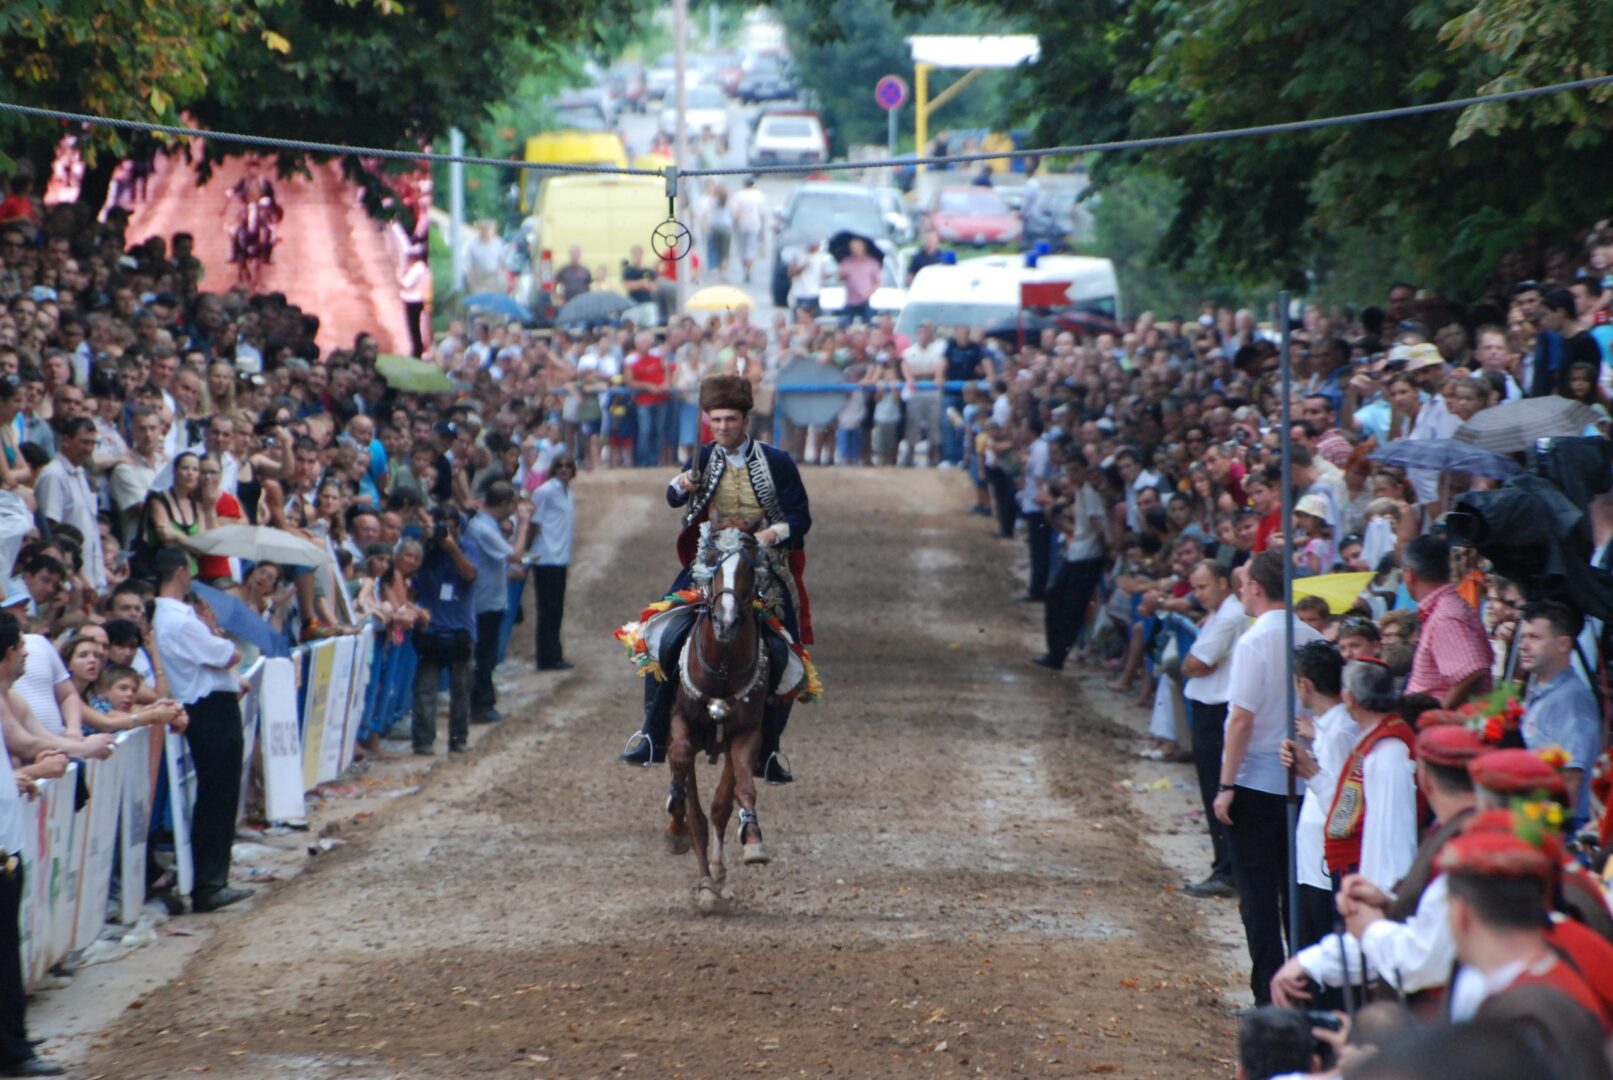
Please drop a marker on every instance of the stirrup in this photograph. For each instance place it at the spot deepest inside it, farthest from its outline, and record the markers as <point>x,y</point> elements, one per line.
<point>632,744</point>
<point>784,766</point>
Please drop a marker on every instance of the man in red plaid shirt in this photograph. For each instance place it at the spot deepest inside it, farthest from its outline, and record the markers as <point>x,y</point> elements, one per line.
<point>1453,655</point>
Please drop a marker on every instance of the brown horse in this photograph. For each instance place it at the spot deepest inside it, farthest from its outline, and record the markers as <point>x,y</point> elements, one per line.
<point>722,687</point>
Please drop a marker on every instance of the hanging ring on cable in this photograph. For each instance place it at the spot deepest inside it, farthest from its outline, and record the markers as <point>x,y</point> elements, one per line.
<point>671,240</point>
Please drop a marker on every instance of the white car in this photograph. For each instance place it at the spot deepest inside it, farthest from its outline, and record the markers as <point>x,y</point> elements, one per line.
<point>704,107</point>
<point>794,138</point>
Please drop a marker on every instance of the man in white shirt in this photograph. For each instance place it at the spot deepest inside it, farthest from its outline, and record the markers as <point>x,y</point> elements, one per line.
<point>66,497</point>
<point>1250,797</point>
<point>135,477</point>
<point>1072,587</point>
<point>1208,670</point>
<point>808,271</point>
<point>1401,935</point>
<point>749,208</point>
<point>923,361</point>
<point>201,665</point>
<point>1038,535</point>
<point>48,689</point>
<point>1319,680</point>
<point>17,1057</point>
<point>551,556</point>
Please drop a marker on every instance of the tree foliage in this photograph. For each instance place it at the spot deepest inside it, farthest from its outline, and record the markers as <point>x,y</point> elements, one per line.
<point>371,72</point>
<point>1450,193</point>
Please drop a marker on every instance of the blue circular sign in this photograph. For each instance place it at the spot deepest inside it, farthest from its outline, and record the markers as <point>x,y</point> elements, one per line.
<point>890,92</point>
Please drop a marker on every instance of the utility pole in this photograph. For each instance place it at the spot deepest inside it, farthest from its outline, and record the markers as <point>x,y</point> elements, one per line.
<point>714,43</point>
<point>456,208</point>
<point>680,132</point>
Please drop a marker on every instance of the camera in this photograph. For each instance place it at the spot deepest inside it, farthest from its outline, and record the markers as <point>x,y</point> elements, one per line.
<point>443,521</point>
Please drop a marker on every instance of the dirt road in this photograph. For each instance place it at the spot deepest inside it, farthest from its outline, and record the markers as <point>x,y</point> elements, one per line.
<point>958,889</point>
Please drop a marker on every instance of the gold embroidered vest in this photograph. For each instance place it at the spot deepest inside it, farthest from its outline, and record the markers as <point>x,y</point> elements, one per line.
<point>735,496</point>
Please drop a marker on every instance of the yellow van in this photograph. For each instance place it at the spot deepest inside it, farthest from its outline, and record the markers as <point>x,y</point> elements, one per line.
<point>605,216</point>
<point>568,148</point>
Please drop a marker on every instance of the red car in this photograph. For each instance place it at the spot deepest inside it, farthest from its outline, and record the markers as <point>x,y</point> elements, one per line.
<point>972,215</point>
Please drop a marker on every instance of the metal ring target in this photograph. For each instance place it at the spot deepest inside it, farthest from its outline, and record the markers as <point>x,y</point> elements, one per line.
<point>671,240</point>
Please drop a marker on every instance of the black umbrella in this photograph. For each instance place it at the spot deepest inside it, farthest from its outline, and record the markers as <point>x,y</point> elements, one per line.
<point>1029,325</point>
<point>840,245</point>
<point>592,307</point>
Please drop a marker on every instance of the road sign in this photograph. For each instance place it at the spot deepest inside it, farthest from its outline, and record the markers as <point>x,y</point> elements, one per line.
<point>890,92</point>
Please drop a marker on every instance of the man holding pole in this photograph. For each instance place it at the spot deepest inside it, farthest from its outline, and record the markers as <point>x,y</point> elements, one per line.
<point>1250,799</point>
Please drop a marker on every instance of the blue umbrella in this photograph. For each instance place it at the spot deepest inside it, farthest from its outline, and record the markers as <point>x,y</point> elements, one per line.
<point>238,620</point>
<point>499,304</point>
<point>1446,455</point>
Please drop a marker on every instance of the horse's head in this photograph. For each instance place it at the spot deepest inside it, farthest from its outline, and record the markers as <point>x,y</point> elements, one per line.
<point>728,563</point>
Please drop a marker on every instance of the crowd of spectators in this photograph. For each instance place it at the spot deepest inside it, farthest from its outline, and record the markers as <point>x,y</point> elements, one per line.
<point>145,410</point>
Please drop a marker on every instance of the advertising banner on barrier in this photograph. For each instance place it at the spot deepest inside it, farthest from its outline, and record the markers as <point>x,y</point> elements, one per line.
<point>134,821</point>
<point>181,804</point>
<point>364,648</point>
<point>100,828</point>
<point>249,732</point>
<point>337,696</point>
<point>316,707</point>
<point>65,859</point>
<point>280,742</point>
<point>36,884</point>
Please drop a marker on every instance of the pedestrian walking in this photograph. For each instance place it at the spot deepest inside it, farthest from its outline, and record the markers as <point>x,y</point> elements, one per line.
<point>750,218</point>
<point>551,556</point>
<point>201,665</point>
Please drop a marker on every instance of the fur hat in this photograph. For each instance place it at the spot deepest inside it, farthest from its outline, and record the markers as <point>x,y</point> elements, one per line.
<point>725,392</point>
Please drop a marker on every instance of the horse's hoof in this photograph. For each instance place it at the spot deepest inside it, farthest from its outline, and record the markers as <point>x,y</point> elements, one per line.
<point>719,873</point>
<point>676,845</point>
<point>756,855</point>
<point>708,897</point>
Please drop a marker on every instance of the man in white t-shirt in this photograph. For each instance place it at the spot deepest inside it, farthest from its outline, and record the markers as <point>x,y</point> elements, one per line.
<point>48,689</point>
<point>808,271</point>
<point>1208,669</point>
<point>923,361</point>
<point>1251,796</point>
<point>1071,589</point>
<point>749,208</point>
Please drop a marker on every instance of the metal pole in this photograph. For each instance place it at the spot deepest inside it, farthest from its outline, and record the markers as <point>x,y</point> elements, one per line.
<point>890,132</point>
<point>713,45</point>
<point>456,208</point>
<point>1288,612</point>
<point>680,137</point>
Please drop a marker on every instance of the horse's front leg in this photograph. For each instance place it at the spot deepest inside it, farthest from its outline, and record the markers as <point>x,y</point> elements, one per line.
<point>742,752</point>
<point>680,757</point>
<point>722,810</point>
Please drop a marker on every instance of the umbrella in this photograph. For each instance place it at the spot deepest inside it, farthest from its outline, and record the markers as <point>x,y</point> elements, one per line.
<point>1339,590</point>
<point>1514,426</point>
<point>412,375</point>
<point>498,304</point>
<point>260,543</point>
<point>840,245</point>
<point>591,307</point>
<point>719,298</point>
<point>1446,455</point>
<point>1030,325</point>
<point>236,618</point>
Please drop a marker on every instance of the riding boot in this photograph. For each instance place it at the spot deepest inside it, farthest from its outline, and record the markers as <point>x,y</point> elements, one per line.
<point>648,744</point>
<point>772,764</point>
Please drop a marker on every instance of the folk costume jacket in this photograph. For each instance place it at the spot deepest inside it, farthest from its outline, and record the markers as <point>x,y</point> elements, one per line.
<point>781,496</point>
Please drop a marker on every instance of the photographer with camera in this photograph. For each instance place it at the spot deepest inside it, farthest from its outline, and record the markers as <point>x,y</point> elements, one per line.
<point>446,629</point>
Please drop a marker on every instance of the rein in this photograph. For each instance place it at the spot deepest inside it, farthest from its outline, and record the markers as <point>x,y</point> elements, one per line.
<point>719,671</point>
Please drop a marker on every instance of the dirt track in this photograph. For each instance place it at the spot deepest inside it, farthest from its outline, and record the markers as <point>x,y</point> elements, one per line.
<point>957,889</point>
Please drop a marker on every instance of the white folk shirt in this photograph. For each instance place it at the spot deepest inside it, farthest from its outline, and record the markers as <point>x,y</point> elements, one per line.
<point>65,497</point>
<point>13,821</point>
<point>1389,833</point>
<point>1414,955</point>
<point>1259,683</point>
<point>1336,736</point>
<point>1213,647</point>
<point>196,660</point>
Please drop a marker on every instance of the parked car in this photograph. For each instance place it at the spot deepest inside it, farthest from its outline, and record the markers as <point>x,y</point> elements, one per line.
<point>766,79</point>
<point>815,211</point>
<point>584,110</point>
<point>788,138</point>
<point>661,77</point>
<point>970,214</point>
<point>704,107</point>
<point>723,69</point>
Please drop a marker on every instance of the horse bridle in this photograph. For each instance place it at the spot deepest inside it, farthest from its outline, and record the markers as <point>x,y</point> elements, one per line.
<point>720,672</point>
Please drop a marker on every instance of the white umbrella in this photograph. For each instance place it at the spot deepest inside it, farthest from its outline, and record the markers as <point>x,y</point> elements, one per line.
<point>260,543</point>
<point>1513,426</point>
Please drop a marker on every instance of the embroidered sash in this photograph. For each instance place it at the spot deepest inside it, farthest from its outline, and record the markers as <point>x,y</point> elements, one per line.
<point>1348,813</point>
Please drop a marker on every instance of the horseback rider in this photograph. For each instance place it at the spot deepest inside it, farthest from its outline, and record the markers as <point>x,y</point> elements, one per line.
<point>735,476</point>
<point>253,189</point>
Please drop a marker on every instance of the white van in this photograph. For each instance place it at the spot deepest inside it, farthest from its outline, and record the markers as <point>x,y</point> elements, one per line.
<point>982,291</point>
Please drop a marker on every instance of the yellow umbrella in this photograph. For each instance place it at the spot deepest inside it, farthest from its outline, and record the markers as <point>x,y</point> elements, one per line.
<point>1339,590</point>
<point>719,298</point>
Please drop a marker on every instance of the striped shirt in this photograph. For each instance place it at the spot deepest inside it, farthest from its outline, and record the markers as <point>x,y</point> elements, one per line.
<point>1451,645</point>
